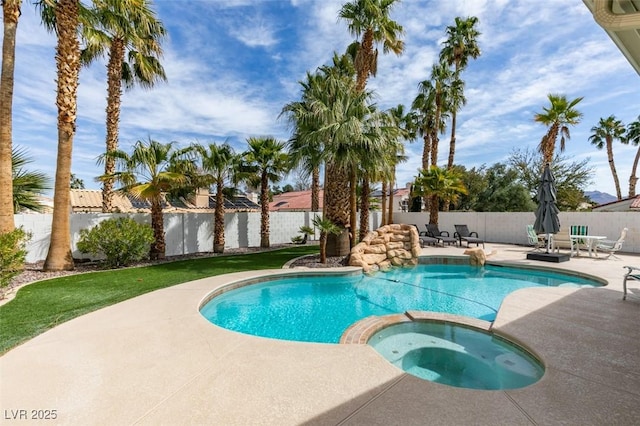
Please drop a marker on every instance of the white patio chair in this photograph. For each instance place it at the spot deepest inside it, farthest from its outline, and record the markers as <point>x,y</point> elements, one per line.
<point>611,246</point>
<point>535,240</point>
<point>633,274</point>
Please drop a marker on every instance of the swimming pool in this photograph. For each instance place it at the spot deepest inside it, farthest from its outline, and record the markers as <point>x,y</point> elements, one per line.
<point>319,308</point>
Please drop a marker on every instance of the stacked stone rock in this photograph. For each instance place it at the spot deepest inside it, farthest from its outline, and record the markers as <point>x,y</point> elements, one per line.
<point>390,245</point>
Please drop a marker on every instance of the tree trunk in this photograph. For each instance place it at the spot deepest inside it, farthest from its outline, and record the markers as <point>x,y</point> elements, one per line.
<point>452,142</point>
<point>633,179</point>
<point>433,209</point>
<point>114,95</point>
<point>353,207</point>
<point>383,204</point>
<point>264,216</point>
<point>315,189</point>
<point>363,60</point>
<point>336,208</point>
<point>11,13</point>
<point>218,221</point>
<point>392,184</point>
<point>426,150</point>
<point>612,166</point>
<point>158,246</point>
<point>364,207</point>
<point>68,66</point>
<point>549,145</point>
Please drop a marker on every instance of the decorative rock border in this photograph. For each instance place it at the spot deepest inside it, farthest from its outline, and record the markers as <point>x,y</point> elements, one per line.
<point>389,245</point>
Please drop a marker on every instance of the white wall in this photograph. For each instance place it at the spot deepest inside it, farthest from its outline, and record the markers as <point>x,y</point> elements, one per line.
<point>193,232</point>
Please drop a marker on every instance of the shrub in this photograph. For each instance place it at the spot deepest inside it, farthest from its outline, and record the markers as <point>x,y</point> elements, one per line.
<point>12,254</point>
<point>122,241</point>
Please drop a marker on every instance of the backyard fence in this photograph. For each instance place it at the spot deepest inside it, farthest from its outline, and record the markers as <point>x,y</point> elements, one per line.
<point>187,233</point>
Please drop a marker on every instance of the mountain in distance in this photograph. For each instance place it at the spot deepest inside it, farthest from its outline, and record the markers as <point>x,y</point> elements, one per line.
<point>600,197</point>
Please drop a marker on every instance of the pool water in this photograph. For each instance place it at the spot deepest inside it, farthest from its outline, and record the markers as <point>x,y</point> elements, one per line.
<point>320,308</point>
<point>457,356</point>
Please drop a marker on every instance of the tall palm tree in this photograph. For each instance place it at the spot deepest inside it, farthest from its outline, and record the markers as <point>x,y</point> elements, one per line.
<point>65,13</point>
<point>603,135</point>
<point>131,34</point>
<point>403,122</point>
<point>370,19</point>
<point>219,164</point>
<point>145,174</point>
<point>27,185</point>
<point>557,117</point>
<point>633,137</point>
<point>10,15</point>
<point>440,183</point>
<point>460,45</point>
<point>265,161</point>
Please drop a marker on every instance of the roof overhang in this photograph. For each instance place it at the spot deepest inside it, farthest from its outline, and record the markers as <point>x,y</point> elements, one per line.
<point>621,20</point>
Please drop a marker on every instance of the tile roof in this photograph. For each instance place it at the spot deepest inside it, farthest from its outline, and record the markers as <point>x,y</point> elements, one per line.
<point>293,201</point>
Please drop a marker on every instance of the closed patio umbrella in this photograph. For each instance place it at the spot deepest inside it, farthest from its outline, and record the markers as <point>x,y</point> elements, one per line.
<point>547,220</point>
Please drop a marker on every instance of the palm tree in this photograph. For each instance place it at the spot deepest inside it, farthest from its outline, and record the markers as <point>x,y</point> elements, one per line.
<point>219,166</point>
<point>370,19</point>
<point>461,44</point>
<point>440,184</point>
<point>603,135</point>
<point>66,24</point>
<point>633,136</point>
<point>10,15</point>
<point>123,28</point>
<point>27,185</point>
<point>145,174</point>
<point>558,117</point>
<point>405,123</point>
<point>326,228</point>
<point>265,161</point>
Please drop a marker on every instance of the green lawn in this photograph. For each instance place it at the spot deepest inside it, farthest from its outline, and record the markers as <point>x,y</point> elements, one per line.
<point>43,305</point>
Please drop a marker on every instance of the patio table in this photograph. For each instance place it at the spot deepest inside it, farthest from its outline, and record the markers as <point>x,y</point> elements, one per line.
<point>589,240</point>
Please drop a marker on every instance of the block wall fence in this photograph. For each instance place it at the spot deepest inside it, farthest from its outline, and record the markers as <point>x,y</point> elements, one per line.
<point>188,233</point>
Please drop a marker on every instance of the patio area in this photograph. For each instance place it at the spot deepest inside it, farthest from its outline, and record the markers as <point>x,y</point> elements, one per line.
<point>155,360</point>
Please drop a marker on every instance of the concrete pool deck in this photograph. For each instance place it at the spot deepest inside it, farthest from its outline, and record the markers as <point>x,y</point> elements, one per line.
<point>155,360</point>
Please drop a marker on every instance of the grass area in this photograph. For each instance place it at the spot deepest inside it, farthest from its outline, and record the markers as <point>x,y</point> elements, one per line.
<point>46,304</point>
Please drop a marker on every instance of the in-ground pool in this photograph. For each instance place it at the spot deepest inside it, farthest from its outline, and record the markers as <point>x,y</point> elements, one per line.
<point>456,355</point>
<point>319,308</point>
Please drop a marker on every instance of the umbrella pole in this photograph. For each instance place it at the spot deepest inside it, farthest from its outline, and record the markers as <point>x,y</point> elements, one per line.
<point>548,241</point>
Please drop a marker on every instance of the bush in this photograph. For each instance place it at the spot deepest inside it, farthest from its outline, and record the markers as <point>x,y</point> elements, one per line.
<point>122,241</point>
<point>12,254</point>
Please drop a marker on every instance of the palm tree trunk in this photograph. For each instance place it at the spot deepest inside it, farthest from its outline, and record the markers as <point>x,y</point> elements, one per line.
<point>633,179</point>
<point>392,184</point>
<point>336,208</point>
<point>612,166</point>
<point>433,209</point>
<point>218,221</point>
<point>68,66</point>
<point>364,207</point>
<point>353,207</point>
<point>363,60</point>
<point>264,217</point>
<point>114,94</point>
<point>383,204</point>
<point>315,189</point>
<point>426,150</point>
<point>158,246</point>
<point>452,142</point>
<point>11,13</point>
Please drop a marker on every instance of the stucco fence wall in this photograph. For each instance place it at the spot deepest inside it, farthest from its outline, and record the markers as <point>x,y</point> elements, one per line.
<point>193,232</point>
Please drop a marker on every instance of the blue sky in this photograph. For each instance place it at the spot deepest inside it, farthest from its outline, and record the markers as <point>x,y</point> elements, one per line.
<point>232,66</point>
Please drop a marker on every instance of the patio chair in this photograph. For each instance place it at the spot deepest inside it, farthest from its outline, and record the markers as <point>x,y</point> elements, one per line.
<point>425,238</point>
<point>434,232</point>
<point>612,246</point>
<point>463,234</point>
<point>580,230</point>
<point>560,240</point>
<point>632,275</point>
<point>535,240</point>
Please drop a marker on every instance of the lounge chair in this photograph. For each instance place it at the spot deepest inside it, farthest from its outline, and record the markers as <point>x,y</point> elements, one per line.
<point>633,275</point>
<point>425,238</point>
<point>612,246</point>
<point>463,234</point>
<point>434,232</point>
<point>535,240</point>
<point>580,230</point>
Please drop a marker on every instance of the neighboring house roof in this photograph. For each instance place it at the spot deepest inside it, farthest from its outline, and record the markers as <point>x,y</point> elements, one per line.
<point>294,201</point>
<point>626,204</point>
<point>397,193</point>
<point>90,201</point>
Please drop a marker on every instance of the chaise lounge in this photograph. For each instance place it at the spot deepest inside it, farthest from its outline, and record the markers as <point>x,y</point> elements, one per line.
<point>463,234</point>
<point>443,236</point>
